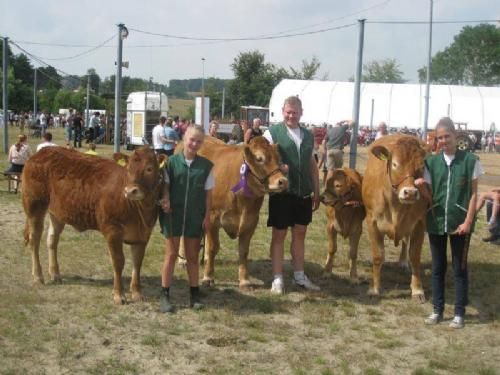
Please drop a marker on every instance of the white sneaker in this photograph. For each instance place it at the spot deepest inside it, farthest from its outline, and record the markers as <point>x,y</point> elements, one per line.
<point>306,284</point>
<point>278,287</point>
<point>433,319</point>
<point>457,322</point>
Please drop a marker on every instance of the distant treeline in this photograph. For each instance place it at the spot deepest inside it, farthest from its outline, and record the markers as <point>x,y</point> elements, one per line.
<point>180,88</point>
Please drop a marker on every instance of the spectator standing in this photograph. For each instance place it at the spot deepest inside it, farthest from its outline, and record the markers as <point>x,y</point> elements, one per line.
<point>333,146</point>
<point>293,208</point>
<point>382,130</point>
<point>171,138</point>
<point>213,129</point>
<point>94,127</point>
<point>43,123</point>
<point>77,130</point>
<point>158,136</point>
<point>68,127</point>
<point>254,131</point>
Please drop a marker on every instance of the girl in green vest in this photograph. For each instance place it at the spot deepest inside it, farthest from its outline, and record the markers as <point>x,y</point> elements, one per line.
<point>186,203</point>
<point>452,177</point>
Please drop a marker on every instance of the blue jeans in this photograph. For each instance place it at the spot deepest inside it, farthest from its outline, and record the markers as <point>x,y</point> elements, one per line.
<point>438,245</point>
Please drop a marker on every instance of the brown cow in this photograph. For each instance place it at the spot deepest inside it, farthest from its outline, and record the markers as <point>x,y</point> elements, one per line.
<point>393,204</point>
<point>89,192</point>
<point>238,213</point>
<point>345,213</point>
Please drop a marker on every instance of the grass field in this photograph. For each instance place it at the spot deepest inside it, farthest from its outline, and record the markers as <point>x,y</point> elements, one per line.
<point>179,107</point>
<point>74,327</point>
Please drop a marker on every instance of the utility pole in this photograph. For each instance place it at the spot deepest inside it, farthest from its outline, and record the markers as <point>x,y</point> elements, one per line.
<point>428,80</point>
<point>5,65</point>
<point>122,34</point>
<point>203,92</point>
<point>34,95</point>
<point>357,94</point>
<point>223,101</point>
<point>88,99</point>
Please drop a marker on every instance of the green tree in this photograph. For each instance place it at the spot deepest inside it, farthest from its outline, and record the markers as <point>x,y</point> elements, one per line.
<point>254,81</point>
<point>95,80</point>
<point>386,71</point>
<point>472,59</point>
<point>308,70</point>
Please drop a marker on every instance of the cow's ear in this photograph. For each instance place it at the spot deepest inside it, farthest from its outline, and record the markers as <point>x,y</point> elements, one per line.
<point>248,154</point>
<point>381,153</point>
<point>120,158</point>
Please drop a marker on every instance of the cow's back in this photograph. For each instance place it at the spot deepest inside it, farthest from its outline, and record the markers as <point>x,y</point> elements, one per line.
<point>78,189</point>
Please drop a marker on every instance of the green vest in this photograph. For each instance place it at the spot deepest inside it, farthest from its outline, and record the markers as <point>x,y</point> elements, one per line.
<point>451,191</point>
<point>187,197</point>
<point>299,163</point>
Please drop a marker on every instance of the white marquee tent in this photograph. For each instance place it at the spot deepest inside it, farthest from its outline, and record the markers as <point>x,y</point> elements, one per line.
<point>397,104</point>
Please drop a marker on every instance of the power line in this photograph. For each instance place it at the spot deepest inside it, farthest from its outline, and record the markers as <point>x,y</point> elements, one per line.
<point>246,38</point>
<point>82,53</point>
<point>434,22</point>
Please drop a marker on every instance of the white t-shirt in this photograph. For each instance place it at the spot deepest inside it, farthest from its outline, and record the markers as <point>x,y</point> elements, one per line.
<point>478,169</point>
<point>295,135</point>
<point>157,134</point>
<point>45,144</point>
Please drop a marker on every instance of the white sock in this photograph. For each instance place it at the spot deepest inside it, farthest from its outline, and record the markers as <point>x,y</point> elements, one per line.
<point>299,276</point>
<point>278,276</point>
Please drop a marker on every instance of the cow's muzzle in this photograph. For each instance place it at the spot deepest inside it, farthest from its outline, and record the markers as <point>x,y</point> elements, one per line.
<point>134,193</point>
<point>278,185</point>
<point>408,195</point>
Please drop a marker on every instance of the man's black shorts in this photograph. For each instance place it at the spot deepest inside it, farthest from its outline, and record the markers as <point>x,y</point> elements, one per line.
<point>286,210</point>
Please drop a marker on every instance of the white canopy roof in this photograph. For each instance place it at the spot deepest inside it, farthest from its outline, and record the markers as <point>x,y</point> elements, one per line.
<point>398,105</point>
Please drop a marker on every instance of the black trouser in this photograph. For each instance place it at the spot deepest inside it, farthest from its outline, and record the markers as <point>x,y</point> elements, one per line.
<point>77,136</point>
<point>438,245</point>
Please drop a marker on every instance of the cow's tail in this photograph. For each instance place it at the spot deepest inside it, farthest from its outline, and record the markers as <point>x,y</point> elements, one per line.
<point>26,232</point>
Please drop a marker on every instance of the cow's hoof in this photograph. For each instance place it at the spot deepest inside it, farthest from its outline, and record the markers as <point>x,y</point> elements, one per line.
<point>38,280</point>
<point>119,299</point>
<point>137,297</point>
<point>372,292</point>
<point>56,279</point>
<point>246,285</point>
<point>208,283</point>
<point>419,298</point>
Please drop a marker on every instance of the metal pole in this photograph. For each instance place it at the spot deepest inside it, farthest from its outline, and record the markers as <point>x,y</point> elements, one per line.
<point>5,96</point>
<point>428,80</point>
<point>223,101</point>
<point>357,94</point>
<point>203,93</point>
<point>371,114</point>
<point>34,95</point>
<point>118,86</point>
<point>88,98</point>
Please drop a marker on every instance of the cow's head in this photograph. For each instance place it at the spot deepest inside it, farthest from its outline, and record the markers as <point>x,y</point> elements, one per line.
<point>405,163</point>
<point>143,174</point>
<point>263,161</point>
<point>338,188</point>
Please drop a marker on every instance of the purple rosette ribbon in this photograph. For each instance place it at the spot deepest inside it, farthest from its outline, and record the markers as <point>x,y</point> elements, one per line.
<point>243,183</point>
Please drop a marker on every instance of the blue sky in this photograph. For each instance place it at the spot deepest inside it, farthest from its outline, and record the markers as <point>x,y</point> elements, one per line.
<point>91,22</point>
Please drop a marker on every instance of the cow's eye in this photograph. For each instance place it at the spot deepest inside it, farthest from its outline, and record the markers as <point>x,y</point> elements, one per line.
<point>394,165</point>
<point>149,170</point>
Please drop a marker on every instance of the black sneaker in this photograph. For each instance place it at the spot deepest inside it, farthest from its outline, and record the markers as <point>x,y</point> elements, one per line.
<point>165,305</point>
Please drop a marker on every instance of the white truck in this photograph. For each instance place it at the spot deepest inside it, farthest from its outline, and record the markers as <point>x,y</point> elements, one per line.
<point>144,109</point>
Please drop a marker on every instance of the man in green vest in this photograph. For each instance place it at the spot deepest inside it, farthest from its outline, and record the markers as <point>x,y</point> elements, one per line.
<point>293,208</point>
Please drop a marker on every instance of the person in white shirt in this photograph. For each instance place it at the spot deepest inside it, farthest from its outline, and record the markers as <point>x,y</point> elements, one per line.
<point>47,141</point>
<point>159,136</point>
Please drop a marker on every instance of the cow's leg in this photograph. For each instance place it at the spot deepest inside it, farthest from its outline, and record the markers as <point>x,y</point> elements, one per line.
<point>243,249</point>
<point>137,251</point>
<point>212,245</point>
<point>115,247</point>
<point>403,256</point>
<point>416,242</point>
<point>353,254</point>
<point>35,235</point>
<point>53,235</point>
<point>332,247</point>
<point>377,248</point>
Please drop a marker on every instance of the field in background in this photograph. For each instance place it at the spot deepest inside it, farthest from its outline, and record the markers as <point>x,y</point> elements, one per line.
<point>73,327</point>
<point>179,107</point>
